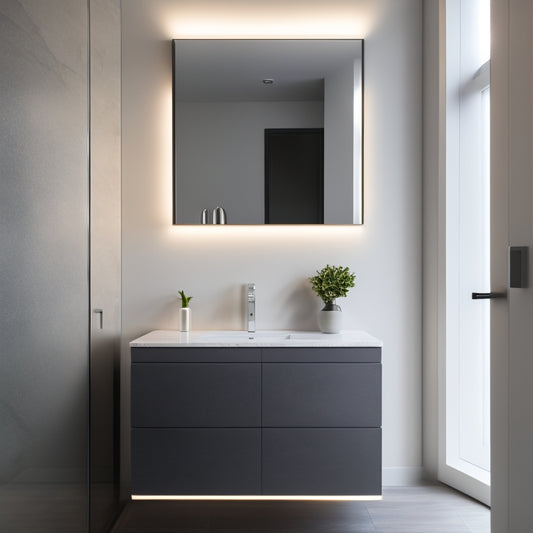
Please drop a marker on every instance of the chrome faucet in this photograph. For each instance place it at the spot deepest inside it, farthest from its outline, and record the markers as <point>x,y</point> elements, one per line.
<point>251,307</point>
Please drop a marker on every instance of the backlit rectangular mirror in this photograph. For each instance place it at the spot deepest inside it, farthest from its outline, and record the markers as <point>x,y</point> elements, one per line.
<point>267,131</point>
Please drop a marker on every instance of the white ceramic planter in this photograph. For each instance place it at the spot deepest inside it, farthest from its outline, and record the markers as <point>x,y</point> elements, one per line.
<point>185,319</point>
<point>330,319</point>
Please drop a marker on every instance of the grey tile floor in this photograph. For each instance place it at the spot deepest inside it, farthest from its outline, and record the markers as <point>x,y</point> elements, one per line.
<point>421,509</point>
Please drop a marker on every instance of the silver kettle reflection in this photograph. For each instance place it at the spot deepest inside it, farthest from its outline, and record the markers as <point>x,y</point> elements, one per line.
<point>219,215</point>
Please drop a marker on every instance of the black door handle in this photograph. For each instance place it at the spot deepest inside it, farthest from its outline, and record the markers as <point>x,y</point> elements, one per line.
<point>486,295</point>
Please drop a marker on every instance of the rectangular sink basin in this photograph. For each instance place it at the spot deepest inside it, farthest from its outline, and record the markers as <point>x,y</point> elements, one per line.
<point>312,336</point>
<point>236,336</point>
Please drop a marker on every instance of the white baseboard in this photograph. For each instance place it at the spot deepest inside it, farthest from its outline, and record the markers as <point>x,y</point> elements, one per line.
<point>401,476</point>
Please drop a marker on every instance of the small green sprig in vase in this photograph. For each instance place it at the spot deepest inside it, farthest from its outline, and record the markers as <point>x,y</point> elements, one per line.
<point>184,299</point>
<point>330,283</point>
<point>185,312</point>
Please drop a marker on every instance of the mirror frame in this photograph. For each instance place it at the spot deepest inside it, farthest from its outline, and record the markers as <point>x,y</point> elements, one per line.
<point>358,218</point>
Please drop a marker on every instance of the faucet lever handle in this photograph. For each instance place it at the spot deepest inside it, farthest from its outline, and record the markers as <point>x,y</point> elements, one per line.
<point>251,291</point>
<point>251,308</point>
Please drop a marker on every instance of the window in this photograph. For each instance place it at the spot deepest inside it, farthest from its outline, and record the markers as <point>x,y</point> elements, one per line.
<point>464,458</point>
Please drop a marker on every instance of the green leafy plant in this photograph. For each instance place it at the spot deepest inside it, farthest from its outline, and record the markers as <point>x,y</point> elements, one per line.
<point>332,282</point>
<point>184,299</point>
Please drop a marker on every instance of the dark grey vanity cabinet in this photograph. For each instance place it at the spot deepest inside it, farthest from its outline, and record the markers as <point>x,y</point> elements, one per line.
<point>321,419</point>
<point>199,461</point>
<point>252,421</point>
<point>207,395</point>
<point>196,421</point>
<point>321,395</point>
<point>319,461</point>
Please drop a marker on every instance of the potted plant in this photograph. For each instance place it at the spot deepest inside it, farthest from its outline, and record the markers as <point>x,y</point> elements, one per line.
<point>185,312</point>
<point>330,283</point>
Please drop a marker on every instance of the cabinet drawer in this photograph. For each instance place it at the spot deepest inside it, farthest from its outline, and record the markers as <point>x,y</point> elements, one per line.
<point>196,461</point>
<point>322,355</point>
<point>198,354</point>
<point>321,461</point>
<point>196,395</point>
<point>321,394</point>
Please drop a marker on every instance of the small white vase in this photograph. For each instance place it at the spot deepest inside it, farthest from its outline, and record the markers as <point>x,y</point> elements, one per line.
<point>330,319</point>
<point>185,319</point>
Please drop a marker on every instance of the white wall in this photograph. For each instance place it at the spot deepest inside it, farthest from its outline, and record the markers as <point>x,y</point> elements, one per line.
<point>212,263</point>
<point>341,145</point>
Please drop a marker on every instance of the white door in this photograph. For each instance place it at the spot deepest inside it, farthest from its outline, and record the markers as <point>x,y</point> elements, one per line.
<point>512,225</point>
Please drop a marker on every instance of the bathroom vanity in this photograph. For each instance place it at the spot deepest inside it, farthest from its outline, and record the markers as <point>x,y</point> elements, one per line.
<point>281,414</point>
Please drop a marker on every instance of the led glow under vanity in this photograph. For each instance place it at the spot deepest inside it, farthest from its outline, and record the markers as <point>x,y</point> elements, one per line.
<point>282,415</point>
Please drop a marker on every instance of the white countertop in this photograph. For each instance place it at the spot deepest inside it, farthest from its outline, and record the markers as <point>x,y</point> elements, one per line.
<point>284,338</point>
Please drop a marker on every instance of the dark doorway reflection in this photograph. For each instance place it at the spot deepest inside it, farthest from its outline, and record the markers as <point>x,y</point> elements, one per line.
<point>294,176</point>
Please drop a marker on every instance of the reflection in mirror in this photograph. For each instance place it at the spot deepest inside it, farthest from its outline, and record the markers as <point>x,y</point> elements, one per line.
<point>242,113</point>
